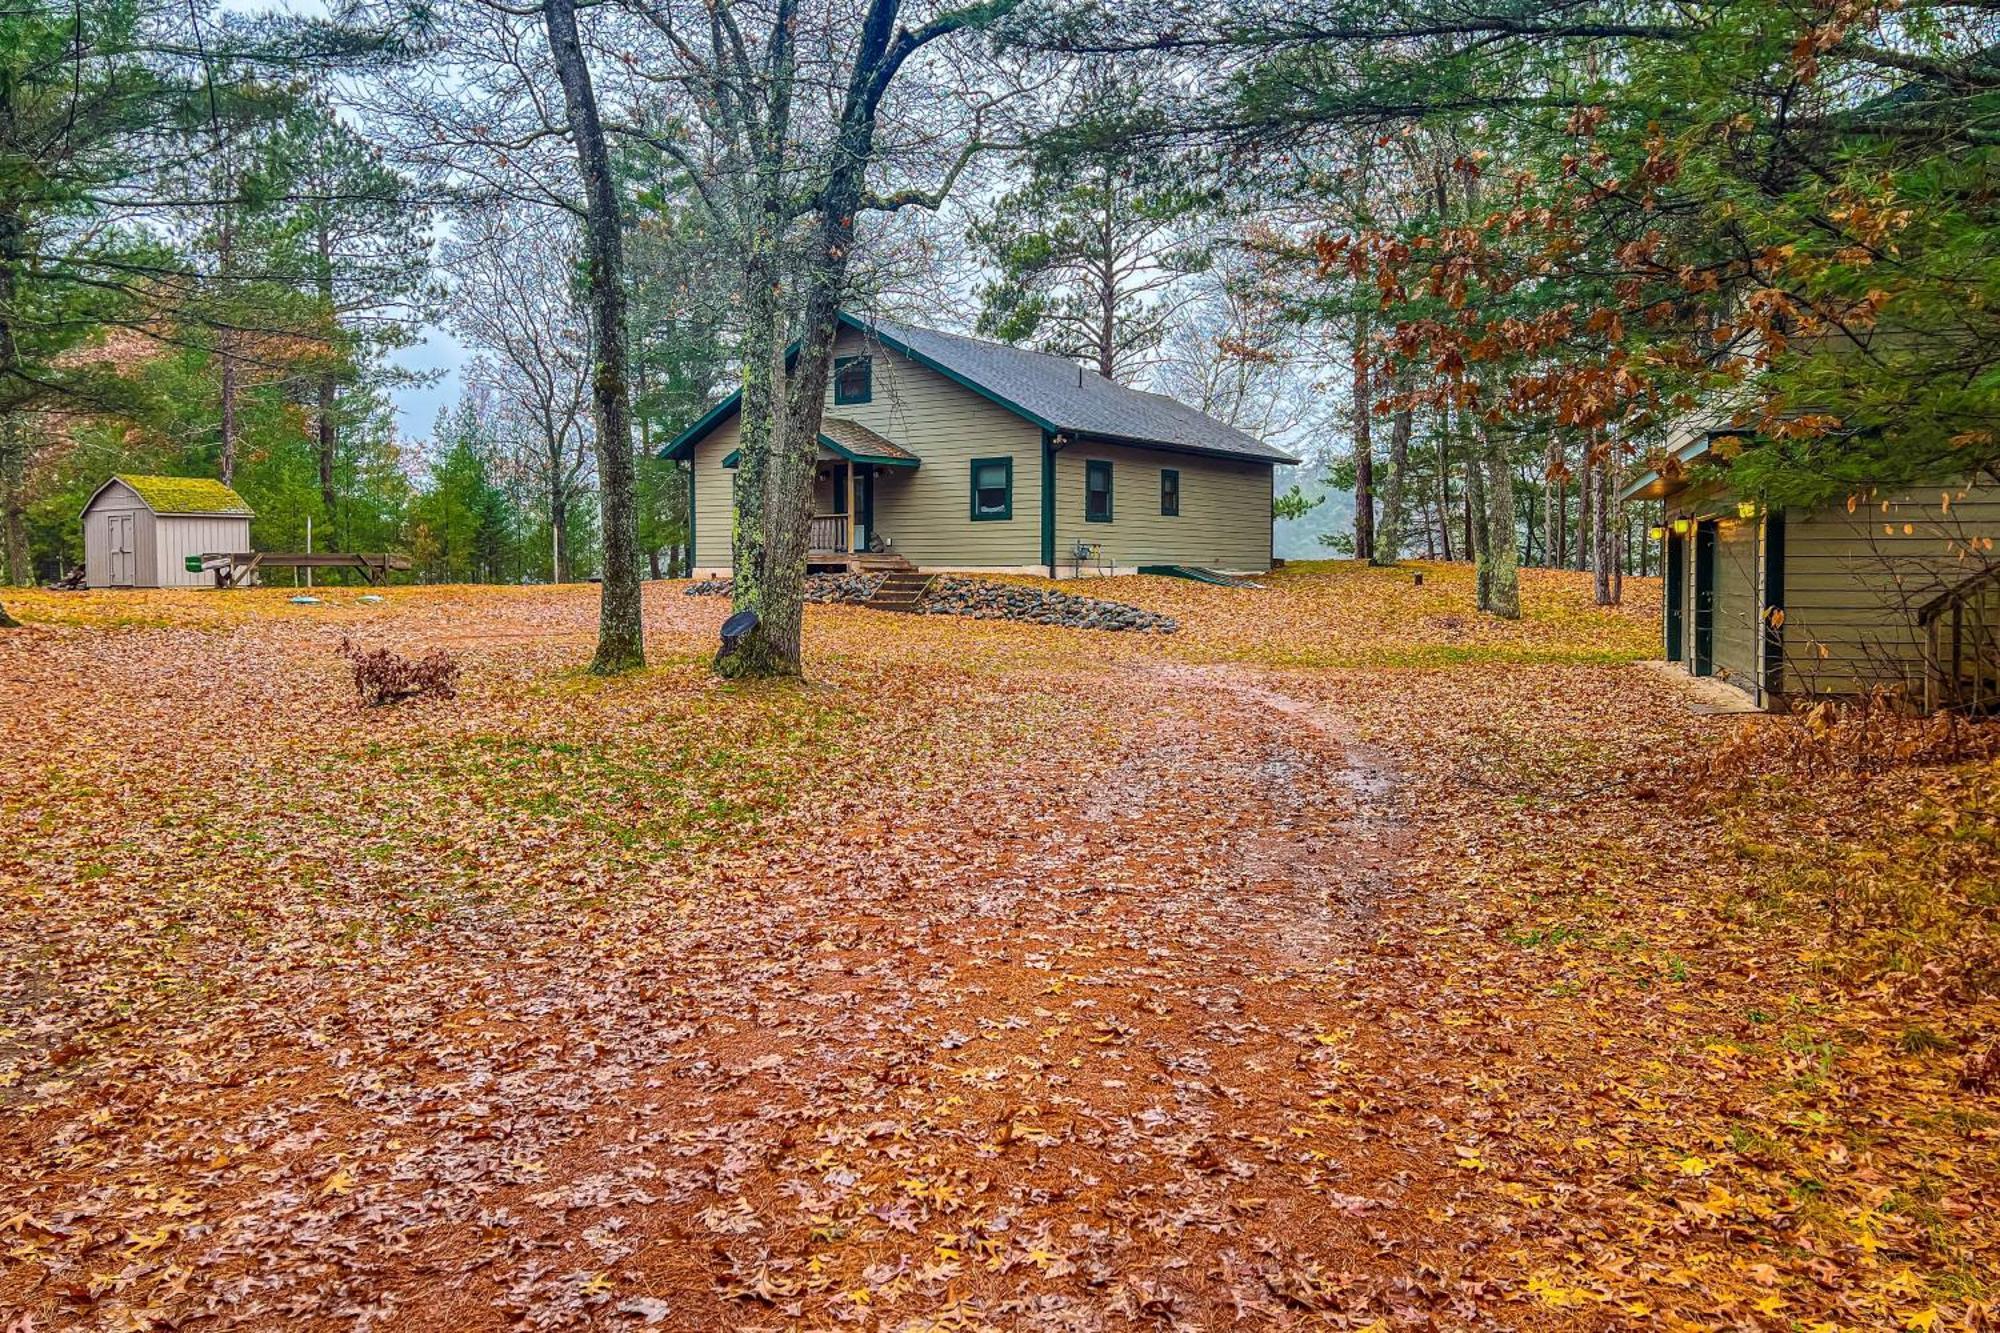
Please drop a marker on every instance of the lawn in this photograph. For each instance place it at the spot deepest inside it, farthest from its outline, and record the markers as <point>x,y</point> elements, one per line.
<point>1346,959</point>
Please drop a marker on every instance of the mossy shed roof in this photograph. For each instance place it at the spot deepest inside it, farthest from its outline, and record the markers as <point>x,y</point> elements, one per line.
<point>183,495</point>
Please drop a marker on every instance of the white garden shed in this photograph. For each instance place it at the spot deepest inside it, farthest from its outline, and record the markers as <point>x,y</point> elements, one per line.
<point>139,531</point>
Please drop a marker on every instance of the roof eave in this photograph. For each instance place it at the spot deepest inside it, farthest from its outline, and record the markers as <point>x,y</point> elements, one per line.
<point>1274,457</point>
<point>851,455</point>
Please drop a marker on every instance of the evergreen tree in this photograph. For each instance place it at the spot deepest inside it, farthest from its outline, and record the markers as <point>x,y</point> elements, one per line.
<point>1090,250</point>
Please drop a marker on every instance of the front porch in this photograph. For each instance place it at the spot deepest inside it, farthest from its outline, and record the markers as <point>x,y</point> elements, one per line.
<point>852,462</point>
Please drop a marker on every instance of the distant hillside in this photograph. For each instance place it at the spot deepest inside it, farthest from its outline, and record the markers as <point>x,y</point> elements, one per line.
<point>1298,539</point>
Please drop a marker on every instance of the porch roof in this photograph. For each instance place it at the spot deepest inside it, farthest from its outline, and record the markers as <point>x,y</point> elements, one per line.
<point>854,442</point>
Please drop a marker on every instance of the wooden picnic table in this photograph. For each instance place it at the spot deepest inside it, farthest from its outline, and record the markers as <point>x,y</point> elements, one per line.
<point>235,568</point>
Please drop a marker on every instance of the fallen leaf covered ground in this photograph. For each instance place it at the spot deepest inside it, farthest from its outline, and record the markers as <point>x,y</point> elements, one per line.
<point>1346,960</point>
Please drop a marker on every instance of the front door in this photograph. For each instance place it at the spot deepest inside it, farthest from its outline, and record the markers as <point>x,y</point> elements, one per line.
<point>864,504</point>
<point>124,557</point>
<point>1704,598</point>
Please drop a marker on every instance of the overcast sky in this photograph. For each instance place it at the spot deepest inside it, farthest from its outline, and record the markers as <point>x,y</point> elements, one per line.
<point>417,405</point>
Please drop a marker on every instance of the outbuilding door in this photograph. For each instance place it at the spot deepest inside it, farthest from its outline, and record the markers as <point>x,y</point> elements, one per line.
<point>1704,598</point>
<point>121,553</point>
<point>1676,587</point>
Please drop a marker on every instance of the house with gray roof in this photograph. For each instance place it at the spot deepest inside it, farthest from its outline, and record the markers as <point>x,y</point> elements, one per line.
<point>954,453</point>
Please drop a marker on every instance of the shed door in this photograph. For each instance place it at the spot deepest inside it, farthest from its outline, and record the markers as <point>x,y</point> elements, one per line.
<point>120,550</point>
<point>1704,598</point>
<point>1676,587</point>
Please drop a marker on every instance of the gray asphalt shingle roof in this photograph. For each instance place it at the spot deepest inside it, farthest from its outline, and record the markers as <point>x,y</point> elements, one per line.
<point>1051,389</point>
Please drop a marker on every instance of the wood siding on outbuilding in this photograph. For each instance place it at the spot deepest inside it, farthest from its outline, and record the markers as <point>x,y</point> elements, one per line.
<point>1854,581</point>
<point>118,498</point>
<point>182,535</point>
<point>1852,585</point>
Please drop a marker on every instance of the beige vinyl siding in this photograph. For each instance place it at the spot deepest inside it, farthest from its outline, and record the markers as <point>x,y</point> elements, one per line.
<point>1224,521</point>
<point>925,513</point>
<point>1854,582</point>
<point>714,489</point>
<point>1738,601</point>
<point>182,535</point>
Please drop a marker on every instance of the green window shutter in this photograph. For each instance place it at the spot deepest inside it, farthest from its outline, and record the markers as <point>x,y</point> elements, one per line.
<point>992,489</point>
<point>1097,491</point>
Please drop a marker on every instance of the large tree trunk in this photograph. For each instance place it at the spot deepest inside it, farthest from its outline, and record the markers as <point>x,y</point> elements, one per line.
<point>1478,533</point>
<point>1390,535</point>
<point>559,566</point>
<point>226,461</point>
<point>13,434</point>
<point>1604,555</point>
<point>1364,444</point>
<point>1586,490</point>
<point>1502,577</point>
<point>14,501</point>
<point>1444,483</point>
<point>759,436</point>
<point>329,439</point>
<point>621,639</point>
<point>774,647</point>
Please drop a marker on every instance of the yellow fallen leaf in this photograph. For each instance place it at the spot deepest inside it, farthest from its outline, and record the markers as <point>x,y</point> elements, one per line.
<point>1695,1166</point>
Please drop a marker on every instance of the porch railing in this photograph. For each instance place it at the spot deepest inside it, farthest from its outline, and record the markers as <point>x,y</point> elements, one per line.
<point>1962,646</point>
<point>829,532</point>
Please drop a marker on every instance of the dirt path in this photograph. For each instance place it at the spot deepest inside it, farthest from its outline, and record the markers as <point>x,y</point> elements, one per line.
<point>1084,1043</point>
<point>1096,1066</point>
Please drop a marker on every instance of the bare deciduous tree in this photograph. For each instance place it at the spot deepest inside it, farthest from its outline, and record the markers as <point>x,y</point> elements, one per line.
<point>790,150</point>
<point>516,303</point>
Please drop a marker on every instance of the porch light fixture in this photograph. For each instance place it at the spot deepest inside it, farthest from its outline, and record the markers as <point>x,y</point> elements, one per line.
<point>1746,509</point>
<point>1656,532</point>
<point>1681,527</point>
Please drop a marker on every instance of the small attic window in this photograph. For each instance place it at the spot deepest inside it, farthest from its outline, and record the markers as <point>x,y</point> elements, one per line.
<point>853,380</point>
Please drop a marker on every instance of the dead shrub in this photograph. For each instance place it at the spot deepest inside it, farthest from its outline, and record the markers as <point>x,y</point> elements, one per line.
<point>383,677</point>
<point>1829,737</point>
